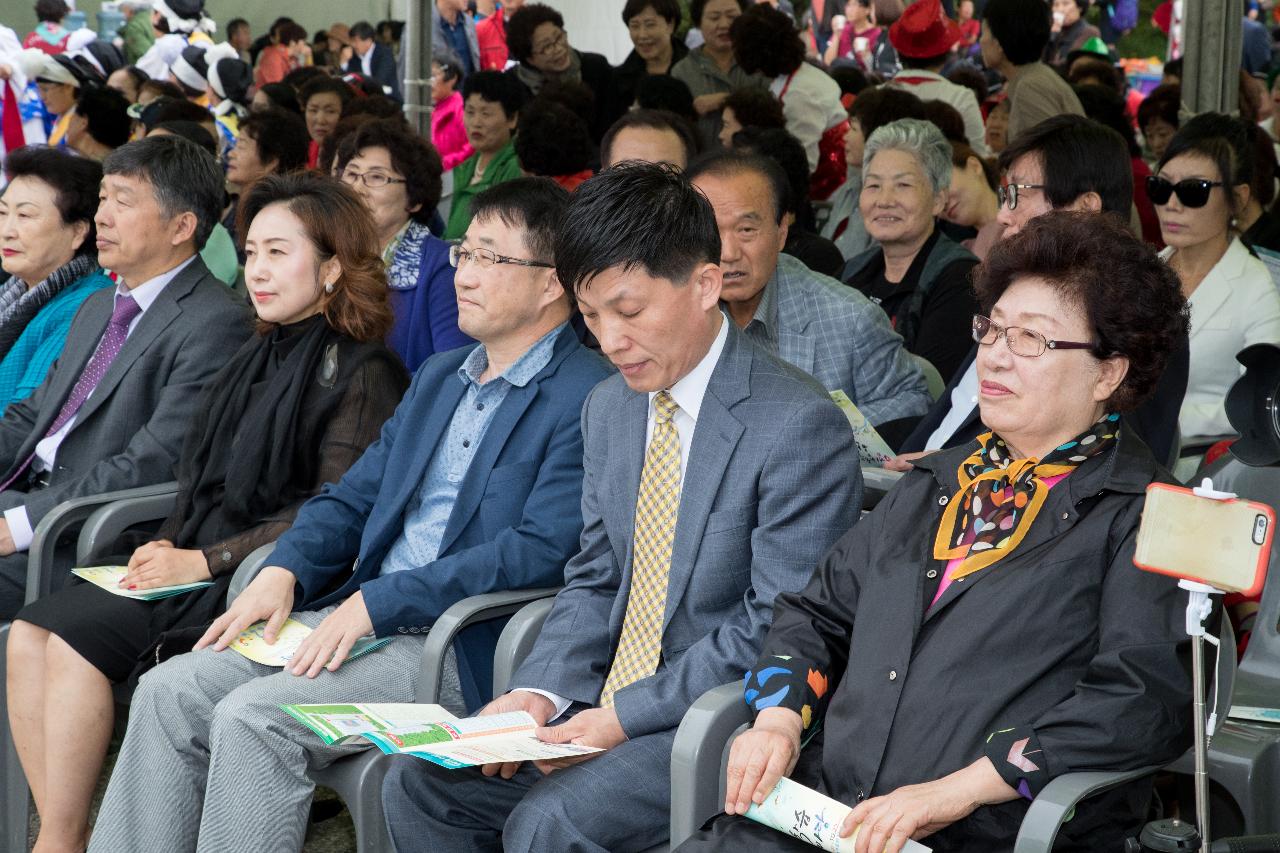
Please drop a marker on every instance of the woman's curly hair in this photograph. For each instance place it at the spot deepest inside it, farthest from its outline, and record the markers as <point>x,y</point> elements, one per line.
<point>1132,300</point>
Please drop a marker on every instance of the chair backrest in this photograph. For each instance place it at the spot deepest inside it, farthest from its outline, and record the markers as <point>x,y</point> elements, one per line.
<point>248,570</point>
<point>516,641</point>
<point>932,377</point>
<point>1258,674</point>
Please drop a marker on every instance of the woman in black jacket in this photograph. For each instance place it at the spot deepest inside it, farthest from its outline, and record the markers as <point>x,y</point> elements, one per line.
<point>652,25</point>
<point>984,629</point>
<point>291,411</point>
<point>537,40</point>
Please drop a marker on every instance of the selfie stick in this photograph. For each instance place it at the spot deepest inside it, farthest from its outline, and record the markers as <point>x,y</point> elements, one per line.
<point>1198,607</point>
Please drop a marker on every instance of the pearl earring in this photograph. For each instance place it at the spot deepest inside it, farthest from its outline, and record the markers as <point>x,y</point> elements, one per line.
<point>328,287</point>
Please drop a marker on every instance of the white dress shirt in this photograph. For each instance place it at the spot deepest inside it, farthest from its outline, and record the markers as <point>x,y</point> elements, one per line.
<point>366,61</point>
<point>963,398</point>
<point>47,448</point>
<point>688,392</point>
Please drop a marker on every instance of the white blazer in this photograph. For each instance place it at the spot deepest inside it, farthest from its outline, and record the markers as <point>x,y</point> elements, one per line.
<point>1236,305</point>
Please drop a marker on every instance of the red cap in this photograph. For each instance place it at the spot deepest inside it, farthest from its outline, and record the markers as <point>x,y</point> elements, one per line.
<point>924,31</point>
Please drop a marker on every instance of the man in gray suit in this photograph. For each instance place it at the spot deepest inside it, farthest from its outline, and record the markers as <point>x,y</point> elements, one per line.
<point>112,412</point>
<point>820,325</point>
<point>715,476</point>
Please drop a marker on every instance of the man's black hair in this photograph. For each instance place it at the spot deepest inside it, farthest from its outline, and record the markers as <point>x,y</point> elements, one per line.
<point>732,164</point>
<point>534,206</point>
<point>183,177</point>
<point>636,215</point>
<point>1077,155</point>
<point>107,114</point>
<point>1022,27</point>
<point>362,30</point>
<point>652,120</point>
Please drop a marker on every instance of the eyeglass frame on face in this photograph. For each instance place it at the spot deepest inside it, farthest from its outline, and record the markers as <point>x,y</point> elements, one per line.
<point>1009,192</point>
<point>382,179</point>
<point>460,257</point>
<point>551,46</point>
<point>1025,333</point>
<point>1176,189</point>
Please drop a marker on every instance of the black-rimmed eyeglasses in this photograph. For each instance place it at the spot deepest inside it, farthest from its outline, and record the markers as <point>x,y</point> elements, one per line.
<point>484,258</point>
<point>1007,194</point>
<point>1023,342</point>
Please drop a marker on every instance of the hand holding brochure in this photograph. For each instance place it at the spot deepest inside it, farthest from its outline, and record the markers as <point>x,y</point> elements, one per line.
<point>253,644</point>
<point>433,734</point>
<point>872,449</point>
<point>803,813</point>
<point>109,577</point>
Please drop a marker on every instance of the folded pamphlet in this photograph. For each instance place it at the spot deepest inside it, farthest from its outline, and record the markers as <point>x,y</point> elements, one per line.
<point>109,577</point>
<point>252,644</point>
<point>813,818</point>
<point>1257,715</point>
<point>431,733</point>
<point>872,449</point>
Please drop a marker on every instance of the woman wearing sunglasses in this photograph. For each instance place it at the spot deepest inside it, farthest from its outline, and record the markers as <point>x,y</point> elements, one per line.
<point>993,588</point>
<point>1199,189</point>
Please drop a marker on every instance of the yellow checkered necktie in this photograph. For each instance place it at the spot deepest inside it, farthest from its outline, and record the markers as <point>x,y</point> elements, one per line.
<point>640,645</point>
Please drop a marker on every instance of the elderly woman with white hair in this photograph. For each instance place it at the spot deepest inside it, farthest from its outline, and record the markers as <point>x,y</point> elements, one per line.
<point>916,274</point>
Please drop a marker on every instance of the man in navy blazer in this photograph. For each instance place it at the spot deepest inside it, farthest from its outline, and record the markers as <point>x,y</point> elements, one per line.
<point>474,486</point>
<point>373,60</point>
<point>738,462</point>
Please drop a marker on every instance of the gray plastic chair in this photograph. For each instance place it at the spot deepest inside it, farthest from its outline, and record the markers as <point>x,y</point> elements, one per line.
<point>1060,797</point>
<point>357,779</point>
<point>876,483</point>
<point>700,758</point>
<point>1244,757</point>
<point>932,378</point>
<point>43,578</point>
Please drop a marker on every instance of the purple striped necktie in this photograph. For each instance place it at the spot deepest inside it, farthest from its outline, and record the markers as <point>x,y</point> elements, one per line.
<point>126,309</point>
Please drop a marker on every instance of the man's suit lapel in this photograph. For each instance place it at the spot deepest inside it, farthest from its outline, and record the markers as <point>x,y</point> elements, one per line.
<point>163,311</point>
<point>795,344</point>
<point>714,439</point>
<point>412,456</point>
<point>635,417</point>
<point>75,357</point>
<point>495,438</point>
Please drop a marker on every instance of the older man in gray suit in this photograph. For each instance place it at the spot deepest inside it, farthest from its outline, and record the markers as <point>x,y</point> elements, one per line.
<point>820,325</point>
<point>112,411</point>
<point>715,476</point>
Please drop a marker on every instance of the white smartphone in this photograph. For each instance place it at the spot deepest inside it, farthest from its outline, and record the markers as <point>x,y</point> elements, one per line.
<point>1225,544</point>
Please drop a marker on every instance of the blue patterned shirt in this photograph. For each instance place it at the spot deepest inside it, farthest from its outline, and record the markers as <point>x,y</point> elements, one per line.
<point>428,512</point>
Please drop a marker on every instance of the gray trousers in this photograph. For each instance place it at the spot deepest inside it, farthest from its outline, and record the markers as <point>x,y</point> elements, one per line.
<point>211,763</point>
<point>617,802</point>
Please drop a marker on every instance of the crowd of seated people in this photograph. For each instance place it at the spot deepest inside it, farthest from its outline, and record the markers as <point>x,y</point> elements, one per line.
<point>604,329</point>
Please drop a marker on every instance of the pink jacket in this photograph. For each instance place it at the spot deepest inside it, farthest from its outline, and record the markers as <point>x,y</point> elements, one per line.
<point>448,133</point>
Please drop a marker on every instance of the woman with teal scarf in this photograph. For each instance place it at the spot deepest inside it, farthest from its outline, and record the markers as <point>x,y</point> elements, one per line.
<point>49,257</point>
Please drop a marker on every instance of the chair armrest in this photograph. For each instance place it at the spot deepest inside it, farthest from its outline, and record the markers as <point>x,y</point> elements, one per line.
<point>517,640</point>
<point>876,483</point>
<point>107,522</point>
<point>699,755</point>
<point>468,611</point>
<point>248,570</point>
<point>1058,801</point>
<point>59,520</point>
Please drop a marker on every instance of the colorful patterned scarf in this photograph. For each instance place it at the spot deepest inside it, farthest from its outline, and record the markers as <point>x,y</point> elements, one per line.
<point>1000,497</point>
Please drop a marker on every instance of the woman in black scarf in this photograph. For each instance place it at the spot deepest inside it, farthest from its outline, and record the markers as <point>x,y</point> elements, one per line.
<point>291,411</point>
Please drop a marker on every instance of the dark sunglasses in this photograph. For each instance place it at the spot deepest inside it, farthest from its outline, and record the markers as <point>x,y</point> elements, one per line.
<point>1192,192</point>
